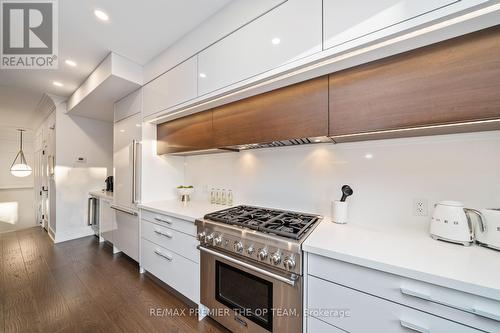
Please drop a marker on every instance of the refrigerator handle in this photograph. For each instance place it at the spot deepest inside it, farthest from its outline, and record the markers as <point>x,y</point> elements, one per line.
<point>134,171</point>
<point>90,214</point>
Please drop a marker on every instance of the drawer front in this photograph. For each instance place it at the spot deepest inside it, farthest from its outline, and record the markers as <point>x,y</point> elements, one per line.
<point>355,312</point>
<point>178,242</point>
<point>315,325</point>
<point>178,272</point>
<point>465,308</point>
<point>170,222</point>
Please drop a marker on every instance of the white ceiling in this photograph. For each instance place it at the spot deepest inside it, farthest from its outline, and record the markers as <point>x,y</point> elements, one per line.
<point>17,108</point>
<point>138,30</point>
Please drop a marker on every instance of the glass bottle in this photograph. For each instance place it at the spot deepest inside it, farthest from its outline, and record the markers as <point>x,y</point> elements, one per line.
<point>217,197</point>
<point>212,196</point>
<point>229,198</point>
<point>223,199</point>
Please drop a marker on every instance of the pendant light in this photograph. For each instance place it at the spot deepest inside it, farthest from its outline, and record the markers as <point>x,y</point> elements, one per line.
<point>20,167</point>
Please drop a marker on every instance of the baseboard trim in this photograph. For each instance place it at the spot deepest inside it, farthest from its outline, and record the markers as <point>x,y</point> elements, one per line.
<point>66,235</point>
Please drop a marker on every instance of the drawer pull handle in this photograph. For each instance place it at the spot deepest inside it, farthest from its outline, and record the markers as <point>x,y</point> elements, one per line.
<point>165,256</point>
<point>414,327</point>
<point>165,234</point>
<point>417,294</point>
<point>486,314</point>
<point>163,220</point>
<point>474,310</point>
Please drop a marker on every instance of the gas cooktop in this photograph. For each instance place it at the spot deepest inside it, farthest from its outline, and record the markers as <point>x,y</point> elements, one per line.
<point>273,221</point>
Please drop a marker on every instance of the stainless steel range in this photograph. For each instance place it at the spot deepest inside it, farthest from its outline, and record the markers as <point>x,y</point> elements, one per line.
<point>251,267</point>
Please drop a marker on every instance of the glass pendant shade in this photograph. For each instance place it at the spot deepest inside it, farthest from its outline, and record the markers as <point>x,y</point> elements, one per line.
<point>20,167</point>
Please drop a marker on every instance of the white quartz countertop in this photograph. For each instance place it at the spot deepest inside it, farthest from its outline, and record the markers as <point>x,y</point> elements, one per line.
<point>413,254</point>
<point>102,194</point>
<point>189,211</point>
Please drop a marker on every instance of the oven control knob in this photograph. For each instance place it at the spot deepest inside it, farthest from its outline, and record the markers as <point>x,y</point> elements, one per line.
<point>238,246</point>
<point>275,258</point>
<point>201,236</point>
<point>262,254</point>
<point>289,263</point>
<point>209,238</point>
<point>218,240</point>
<point>250,250</point>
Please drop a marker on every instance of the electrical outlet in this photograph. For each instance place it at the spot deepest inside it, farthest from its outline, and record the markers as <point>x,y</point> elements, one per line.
<point>420,207</point>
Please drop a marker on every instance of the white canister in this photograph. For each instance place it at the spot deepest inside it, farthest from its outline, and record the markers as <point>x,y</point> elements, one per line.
<point>340,211</point>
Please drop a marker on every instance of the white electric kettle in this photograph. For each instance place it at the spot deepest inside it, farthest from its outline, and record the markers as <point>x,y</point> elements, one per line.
<point>451,222</point>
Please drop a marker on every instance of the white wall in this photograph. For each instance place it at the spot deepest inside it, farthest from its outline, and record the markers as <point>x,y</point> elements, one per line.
<point>160,175</point>
<point>79,137</point>
<point>463,167</point>
<point>16,194</point>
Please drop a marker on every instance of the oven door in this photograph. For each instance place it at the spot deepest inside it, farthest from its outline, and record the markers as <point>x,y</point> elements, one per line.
<point>245,297</point>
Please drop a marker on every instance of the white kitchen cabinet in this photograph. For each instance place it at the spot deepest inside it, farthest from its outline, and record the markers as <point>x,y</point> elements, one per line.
<point>171,88</point>
<point>357,312</point>
<point>128,105</point>
<point>315,325</point>
<point>181,274</point>
<point>289,32</point>
<point>126,234</point>
<point>126,132</point>
<point>171,239</point>
<point>107,223</point>
<point>345,21</point>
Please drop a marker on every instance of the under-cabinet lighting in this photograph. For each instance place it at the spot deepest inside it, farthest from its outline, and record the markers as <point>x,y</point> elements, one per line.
<point>57,84</point>
<point>275,41</point>
<point>203,75</point>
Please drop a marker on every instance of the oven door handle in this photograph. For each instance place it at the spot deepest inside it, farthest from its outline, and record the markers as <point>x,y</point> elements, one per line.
<point>290,281</point>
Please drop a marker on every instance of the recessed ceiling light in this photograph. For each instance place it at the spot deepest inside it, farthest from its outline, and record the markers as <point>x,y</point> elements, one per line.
<point>368,156</point>
<point>57,84</point>
<point>203,75</point>
<point>101,15</point>
<point>275,41</point>
<point>70,63</point>
<point>122,131</point>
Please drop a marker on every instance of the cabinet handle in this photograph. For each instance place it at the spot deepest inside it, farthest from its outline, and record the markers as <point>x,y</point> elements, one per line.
<point>417,294</point>
<point>414,327</point>
<point>163,220</point>
<point>165,256</point>
<point>166,234</point>
<point>474,310</point>
<point>485,314</point>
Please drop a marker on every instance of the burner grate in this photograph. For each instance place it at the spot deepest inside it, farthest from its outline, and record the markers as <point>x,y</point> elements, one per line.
<point>282,223</point>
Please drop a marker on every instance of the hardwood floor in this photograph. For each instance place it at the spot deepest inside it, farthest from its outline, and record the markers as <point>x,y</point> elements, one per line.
<point>80,286</point>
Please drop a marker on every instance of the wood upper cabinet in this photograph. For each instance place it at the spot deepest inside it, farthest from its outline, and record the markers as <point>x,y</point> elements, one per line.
<point>296,111</point>
<point>454,81</point>
<point>185,134</point>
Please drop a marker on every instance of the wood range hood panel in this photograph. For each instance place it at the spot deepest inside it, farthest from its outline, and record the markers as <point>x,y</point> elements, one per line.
<point>191,133</point>
<point>454,81</point>
<point>298,111</point>
<point>293,112</point>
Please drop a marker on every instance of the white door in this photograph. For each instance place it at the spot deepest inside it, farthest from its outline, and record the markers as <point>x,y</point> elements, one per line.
<point>126,161</point>
<point>346,21</point>
<point>126,234</point>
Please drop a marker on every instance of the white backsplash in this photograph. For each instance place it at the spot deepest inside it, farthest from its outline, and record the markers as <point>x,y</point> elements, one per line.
<point>462,167</point>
